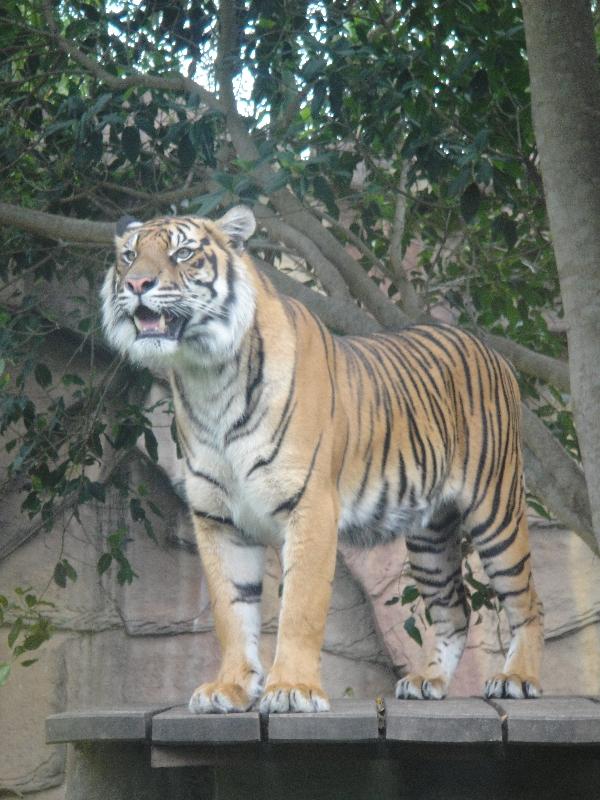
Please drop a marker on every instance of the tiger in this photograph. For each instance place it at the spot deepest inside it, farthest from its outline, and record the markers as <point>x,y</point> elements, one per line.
<point>293,437</point>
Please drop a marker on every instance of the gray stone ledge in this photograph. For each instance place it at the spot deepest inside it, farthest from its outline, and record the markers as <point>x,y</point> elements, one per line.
<point>454,720</point>
<point>348,721</point>
<point>180,726</point>
<point>552,720</point>
<point>127,724</point>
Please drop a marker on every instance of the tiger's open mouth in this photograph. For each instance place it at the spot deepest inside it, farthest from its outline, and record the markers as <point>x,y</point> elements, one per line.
<point>151,324</point>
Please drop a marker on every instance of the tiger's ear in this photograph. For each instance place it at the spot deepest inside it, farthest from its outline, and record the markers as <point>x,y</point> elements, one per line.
<point>239,224</point>
<point>124,224</point>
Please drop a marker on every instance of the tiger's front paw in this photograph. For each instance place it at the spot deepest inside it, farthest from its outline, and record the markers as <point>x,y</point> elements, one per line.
<point>512,686</point>
<point>279,698</point>
<point>416,687</point>
<point>220,698</point>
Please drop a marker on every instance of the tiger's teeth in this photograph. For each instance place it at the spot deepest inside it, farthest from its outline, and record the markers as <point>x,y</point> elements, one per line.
<point>162,325</point>
<point>137,323</point>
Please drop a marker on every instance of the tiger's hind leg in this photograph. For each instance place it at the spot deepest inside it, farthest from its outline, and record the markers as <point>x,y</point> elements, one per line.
<point>503,546</point>
<point>435,561</point>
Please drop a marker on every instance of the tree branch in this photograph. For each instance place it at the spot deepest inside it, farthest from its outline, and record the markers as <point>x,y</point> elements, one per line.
<point>342,316</point>
<point>550,370</point>
<point>554,477</point>
<point>331,279</point>
<point>53,226</point>
<point>410,299</point>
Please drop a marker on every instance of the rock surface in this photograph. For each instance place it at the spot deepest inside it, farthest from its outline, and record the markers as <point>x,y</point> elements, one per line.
<point>153,641</point>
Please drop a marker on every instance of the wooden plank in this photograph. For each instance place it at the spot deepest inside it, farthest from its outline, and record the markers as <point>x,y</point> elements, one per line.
<point>454,720</point>
<point>552,720</point>
<point>180,726</point>
<point>347,721</point>
<point>127,724</point>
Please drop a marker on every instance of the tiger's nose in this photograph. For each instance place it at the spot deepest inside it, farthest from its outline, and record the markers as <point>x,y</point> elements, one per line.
<point>141,285</point>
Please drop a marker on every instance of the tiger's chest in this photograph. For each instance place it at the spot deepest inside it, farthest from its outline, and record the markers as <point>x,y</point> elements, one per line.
<point>223,488</point>
<point>220,440</point>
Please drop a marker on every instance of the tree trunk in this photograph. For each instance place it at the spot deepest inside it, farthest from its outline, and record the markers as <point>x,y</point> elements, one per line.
<point>565,91</point>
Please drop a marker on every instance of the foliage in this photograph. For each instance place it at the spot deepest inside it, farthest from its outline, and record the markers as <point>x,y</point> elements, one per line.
<point>330,92</point>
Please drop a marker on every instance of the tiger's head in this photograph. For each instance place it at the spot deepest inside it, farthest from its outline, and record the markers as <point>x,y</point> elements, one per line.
<point>179,289</point>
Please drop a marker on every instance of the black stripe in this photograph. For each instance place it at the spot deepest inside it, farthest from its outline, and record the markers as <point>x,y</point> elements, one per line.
<point>510,572</point>
<point>291,503</point>
<point>199,474</point>
<point>264,462</point>
<point>247,592</point>
<point>212,517</point>
<point>496,550</point>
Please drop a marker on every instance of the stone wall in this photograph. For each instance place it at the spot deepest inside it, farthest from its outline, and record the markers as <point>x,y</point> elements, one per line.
<point>154,640</point>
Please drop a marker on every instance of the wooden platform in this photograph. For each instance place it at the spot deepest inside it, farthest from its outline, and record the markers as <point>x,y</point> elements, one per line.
<point>467,748</point>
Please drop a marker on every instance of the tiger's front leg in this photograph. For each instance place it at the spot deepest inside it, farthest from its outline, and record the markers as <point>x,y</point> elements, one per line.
<point>234,572</point>
<point>309,553</point>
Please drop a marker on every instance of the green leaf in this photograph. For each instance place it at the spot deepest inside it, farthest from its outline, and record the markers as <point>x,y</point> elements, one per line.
<point>313,67</point>
<point>43,375</point>
<point>136,510</point>
<point>410,626</point>
<point>29,662</point>
<point>69,379</point>
<point>206,203</point>
<point>392,601</point>
<point>69,570</point>
<point>325,193</point>
<point>318,98</point>
<point>60,575</point>
<point>154,508</point>
<point>470,202</point>
<point>35,640</point>
<point>104,563</point>
<point>131,142</point>
<point>477,600</point>
<point>505,227</point>
<point>479,85</point>
<point>4,672</point>
<point>277,181</point>
<point>409,595</point>
<point>98,491</point>
<point>173,429</point>
<point>186,152</point>
<point>15,630</point>
<point>151,444</point>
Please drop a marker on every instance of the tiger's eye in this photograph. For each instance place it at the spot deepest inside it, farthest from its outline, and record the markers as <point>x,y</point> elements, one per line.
<point>184,253</point>
<point>128,256</point>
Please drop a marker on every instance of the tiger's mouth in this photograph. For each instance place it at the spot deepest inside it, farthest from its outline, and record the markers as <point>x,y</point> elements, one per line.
<point>150,324</point>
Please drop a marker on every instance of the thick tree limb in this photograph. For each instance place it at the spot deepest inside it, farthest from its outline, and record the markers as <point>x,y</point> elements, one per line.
<point>53,226</point>
<point>556,479</point>
<point>547,369</point>
<point>59,228</point>
<point>332,281</point>
<point>341,316</point>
